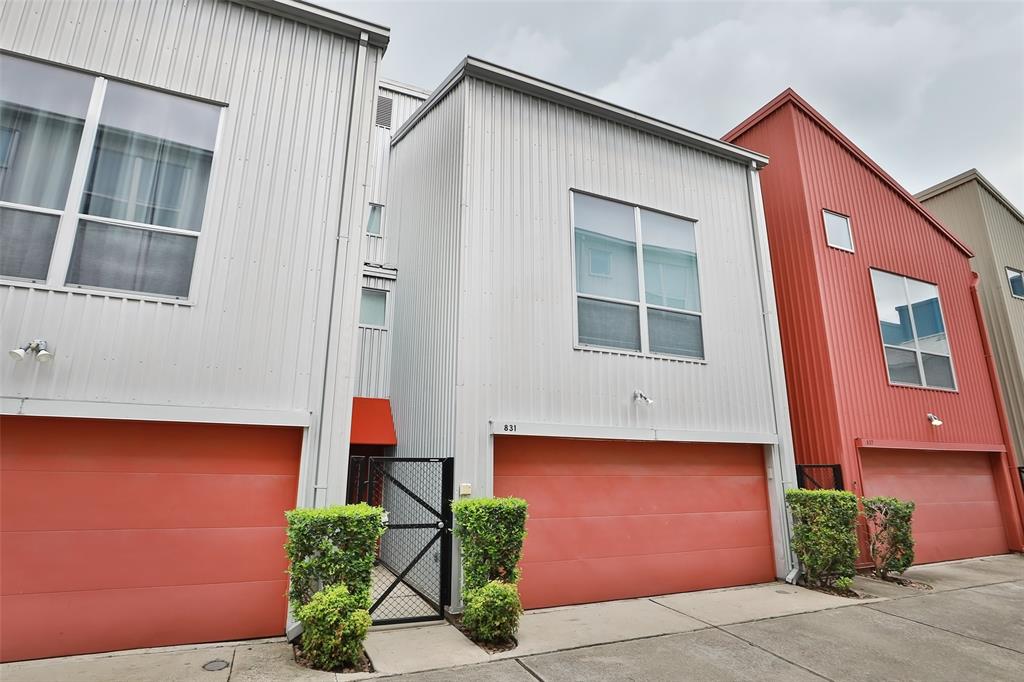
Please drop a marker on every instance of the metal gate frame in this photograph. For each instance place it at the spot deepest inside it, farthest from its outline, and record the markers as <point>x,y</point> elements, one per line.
<point>367,475</point>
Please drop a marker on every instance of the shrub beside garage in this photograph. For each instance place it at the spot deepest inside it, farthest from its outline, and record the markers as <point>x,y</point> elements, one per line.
<point>825,535</point>
<point>331,552</point>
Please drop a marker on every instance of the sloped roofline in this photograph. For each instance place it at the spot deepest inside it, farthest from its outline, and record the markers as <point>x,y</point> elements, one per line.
<point>314,15</point>
<point>404,88</point>
<point>789,96</point>
<point>499,75</point>
<point>964,178</point>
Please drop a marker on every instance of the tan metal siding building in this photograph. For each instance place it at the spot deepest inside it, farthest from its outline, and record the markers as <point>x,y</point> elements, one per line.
<point>981,216</point>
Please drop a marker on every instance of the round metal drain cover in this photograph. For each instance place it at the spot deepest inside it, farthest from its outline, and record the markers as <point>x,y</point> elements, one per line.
<point>216,664</point>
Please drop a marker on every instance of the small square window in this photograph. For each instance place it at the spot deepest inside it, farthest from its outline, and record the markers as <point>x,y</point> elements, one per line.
<point>1016,279</point>
<point>837,231</point>
<point>373,308</point>
<point>373,222</point>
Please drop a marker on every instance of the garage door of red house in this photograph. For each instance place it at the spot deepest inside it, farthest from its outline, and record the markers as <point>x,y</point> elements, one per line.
<point>957,511</point>
<point>118,535</point>
<point>619,519</point>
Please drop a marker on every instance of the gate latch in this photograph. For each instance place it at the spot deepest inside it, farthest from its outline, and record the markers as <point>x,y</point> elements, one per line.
<point>440,524</point>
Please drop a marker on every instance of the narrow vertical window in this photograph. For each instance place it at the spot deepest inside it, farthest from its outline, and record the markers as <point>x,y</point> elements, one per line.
<point>1016,279</point>
<point>373,308</point>
<point>611,271</point>
<point>373,222</point>
<point>42,113</point>
<point>913,331</point>
<point>837,231</point>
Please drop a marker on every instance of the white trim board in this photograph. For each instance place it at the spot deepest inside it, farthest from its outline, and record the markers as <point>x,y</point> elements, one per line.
<point>84,409</point>
<point>518,428</point>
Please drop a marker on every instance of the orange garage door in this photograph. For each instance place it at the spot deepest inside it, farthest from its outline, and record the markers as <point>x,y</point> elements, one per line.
<point>119,535</point>
<point>957,514</point>
<point>619,519</point>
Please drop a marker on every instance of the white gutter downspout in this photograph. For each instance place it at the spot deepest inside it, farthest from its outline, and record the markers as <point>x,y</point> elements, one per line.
<point>782,462</point>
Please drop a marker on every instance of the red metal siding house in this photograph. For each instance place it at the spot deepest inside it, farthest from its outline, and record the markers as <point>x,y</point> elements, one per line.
<point>880,331</point>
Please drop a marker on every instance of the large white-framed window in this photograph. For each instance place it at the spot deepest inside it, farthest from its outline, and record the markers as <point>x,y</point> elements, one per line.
<point>838,233</point>
<point>103,184</point>
<point>913,331</point>
<point>373,308</point>
<point>620,250</point>
<point>1015,278</point>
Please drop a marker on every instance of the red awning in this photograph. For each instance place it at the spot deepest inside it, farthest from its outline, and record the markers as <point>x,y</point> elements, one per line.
<point>372,423</point>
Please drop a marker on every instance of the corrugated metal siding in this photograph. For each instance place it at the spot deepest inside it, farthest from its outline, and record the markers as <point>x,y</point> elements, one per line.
<point>809,378</point>
<point>263,275</point>
<point>374,347</point>
<point>426,207</point>
<point>515,300</point>
<point>888,234</point>
<point>1007,235</point>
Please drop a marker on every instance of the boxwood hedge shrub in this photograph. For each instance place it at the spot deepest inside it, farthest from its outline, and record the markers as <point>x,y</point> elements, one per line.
<point>334,624</point>
<point>491,613</point>
<point>491,532</point>
<point>332,546</point>
<point>889,534</point>
<point>825,535</point>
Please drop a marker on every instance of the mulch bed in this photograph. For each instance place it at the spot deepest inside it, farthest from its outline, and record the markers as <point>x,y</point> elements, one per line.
<point>490,647</point>
<point>848,593</point>
<point>363,665</point>
<point>898,580</point>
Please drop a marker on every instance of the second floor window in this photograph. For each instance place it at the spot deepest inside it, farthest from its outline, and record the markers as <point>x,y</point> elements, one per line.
<point>1016,280</point>
<point>622,250</point>
<point>913,331</point>
<point>102,184</point>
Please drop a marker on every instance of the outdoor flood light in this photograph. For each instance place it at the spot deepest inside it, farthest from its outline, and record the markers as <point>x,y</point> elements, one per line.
<point>641,397</point>
<point>933,420</point>
<point>37,348</point>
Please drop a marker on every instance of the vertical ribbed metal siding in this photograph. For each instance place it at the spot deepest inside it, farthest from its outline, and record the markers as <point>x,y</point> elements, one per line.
<point>1006,233</point>
<point>426,208</point>
<point>263,277</point>
<point>514,299</point>
<point>373,378</point>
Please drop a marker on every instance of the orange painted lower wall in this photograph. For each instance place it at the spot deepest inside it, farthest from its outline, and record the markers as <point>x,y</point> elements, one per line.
<point>619,519</point>
<point>125,534</point>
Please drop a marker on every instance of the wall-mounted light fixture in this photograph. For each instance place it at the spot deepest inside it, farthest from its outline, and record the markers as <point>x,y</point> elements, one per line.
<point>641,397</point>
<point>933,420</point>
<point>36,348</point>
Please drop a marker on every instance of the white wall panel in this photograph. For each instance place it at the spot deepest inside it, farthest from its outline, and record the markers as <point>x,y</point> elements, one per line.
<point>256,334</point>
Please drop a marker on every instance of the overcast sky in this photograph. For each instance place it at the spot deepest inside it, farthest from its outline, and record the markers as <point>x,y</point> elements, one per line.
<point>927,89</point>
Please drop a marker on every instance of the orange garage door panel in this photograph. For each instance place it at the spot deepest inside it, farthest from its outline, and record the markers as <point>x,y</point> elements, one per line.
<point>119,535</point>
<point>957,514</point>
<point>619,519</point>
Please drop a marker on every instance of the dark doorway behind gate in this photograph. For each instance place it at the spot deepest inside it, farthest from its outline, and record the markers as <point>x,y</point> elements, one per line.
<point>412,575</point>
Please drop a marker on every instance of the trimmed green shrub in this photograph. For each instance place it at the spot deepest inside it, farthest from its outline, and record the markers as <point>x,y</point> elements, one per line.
<point>492,612</point>
<point>889,538</point>
<point>824,534</point>
<point>491,531</point>
<point>334,624</point>
<point>331,546</point>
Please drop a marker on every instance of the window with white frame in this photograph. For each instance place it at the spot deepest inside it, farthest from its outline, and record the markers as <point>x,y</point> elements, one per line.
<point>102,184</point>
<point>837,230</point>
<point>621,250</point>
<point>913,331</point>
<point>374,221</point>
<point>1015,278</point>
<point>373,308</point>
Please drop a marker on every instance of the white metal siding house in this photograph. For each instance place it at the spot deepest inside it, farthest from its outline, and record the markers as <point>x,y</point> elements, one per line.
<point>563,260</point>
<point>182,193</point>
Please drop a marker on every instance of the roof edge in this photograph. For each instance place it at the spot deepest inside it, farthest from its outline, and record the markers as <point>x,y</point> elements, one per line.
<point>404,88</point>
<point>964,178</point>
<point>499,75</point>
<point>790,96</point>
<point>327,19</point>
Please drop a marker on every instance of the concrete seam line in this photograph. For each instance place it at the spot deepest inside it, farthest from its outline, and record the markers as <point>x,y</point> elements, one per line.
<point>772,653</point>
<point>759,620</point>
<point>952,632</point>
<point>231,666</point>
<point>528,669</point>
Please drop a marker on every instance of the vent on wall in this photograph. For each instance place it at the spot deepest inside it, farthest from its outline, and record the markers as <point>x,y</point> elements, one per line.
<point>384,111</point>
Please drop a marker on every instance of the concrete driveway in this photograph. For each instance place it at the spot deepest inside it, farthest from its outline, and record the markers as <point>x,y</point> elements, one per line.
<point>970,626</point>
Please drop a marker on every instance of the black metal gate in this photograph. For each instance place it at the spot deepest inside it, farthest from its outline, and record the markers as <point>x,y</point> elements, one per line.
<point>819,476</point>
<point>412,575</point>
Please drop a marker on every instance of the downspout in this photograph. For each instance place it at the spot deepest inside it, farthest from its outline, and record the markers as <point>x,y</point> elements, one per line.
<point>783,455</point>
<point>1014,531</point>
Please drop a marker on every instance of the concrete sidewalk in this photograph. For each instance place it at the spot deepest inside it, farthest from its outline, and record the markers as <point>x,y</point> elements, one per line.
<point>969,626</point>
